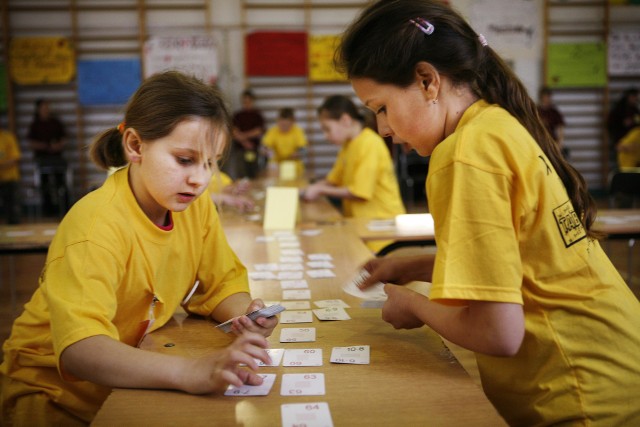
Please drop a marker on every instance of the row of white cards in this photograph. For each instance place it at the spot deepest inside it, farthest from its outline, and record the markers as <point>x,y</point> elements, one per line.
<point>297,357</point>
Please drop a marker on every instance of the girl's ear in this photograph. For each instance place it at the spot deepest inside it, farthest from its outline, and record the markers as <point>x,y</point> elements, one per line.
<point>428,80</point>
<point>132,144</point>
<point>345,119</point>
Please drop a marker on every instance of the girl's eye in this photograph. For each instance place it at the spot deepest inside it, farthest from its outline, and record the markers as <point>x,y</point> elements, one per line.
<point>382,109</point>
<point>184,160</point>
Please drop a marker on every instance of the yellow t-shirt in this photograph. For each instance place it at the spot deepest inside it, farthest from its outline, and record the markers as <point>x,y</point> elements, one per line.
<point>219,181</point>
<point>507,232</point>
<point>9,150</point>
<point>365,167</point>
<point>105,267</point>
<point>285,144</point>
<point>629,149</point>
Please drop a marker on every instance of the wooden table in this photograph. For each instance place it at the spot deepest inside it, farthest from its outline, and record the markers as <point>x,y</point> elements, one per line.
<point>619,223</point>
<point>412,379</point>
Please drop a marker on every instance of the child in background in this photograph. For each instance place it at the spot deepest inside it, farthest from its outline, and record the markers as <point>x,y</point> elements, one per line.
<point>225,192</point>
<point>9,176</point>
<point>122,261</point>
<point>286,139</point>
<point>629,149</point>
<point>363,175</point>
<point>519,276</point>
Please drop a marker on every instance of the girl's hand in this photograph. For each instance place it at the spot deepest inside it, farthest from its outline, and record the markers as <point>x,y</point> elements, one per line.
<point>262,325</point>
<point>397,270</point>
<point>312,192</point>
<point>214,372</point>
<point>397,309</point>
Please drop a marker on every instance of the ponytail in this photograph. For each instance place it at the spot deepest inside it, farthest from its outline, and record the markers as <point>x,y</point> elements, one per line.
<point>106,150</point>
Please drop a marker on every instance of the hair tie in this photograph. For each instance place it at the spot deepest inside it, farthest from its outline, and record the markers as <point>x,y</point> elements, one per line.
<point>483,41</point>
<point>423,25</point>
<point>120,127</point>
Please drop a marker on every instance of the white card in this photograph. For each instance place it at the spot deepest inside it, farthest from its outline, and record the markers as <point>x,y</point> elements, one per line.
<point>302,384</point>
<point>320,257</point>
<point>356,354</point>
<point>272,266</point>
<point>290,275</point>
<point>313,414</point>
<point>320,264</point>
<point>296,316</point>
<point>295,305</point>
<point>294,284</point>
<point>262,275</point>
<point>311,232</point>
<point>287,238</point>
<point>291,258</point>
<point>291,267</point>
<point>264,239</point>
<point>375,292</point>
<point>290,294</point>
<point>320,274</point>
<point>297,334</point>
<point>302,357</point>
<point>330,303</point>
<point>330,313</point>
<point>283,234</point>
<point>253,390</point>
<point>276,357</point>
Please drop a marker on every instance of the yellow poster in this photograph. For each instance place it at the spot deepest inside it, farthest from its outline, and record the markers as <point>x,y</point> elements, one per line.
<point>321,52</point>
<point>41,60</point>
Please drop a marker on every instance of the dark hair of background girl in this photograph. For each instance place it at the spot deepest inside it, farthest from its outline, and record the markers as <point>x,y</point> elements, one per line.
<point>382,44</point>
<point>160,103</point>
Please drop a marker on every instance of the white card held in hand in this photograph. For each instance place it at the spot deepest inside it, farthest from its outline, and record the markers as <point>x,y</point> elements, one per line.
<point>374,292</point>
<point>276,357</point>
<point>302,384</point>
<point>356,354</point>
<point>331,313</point>
<point>302,357</point>
<point>292,294</point>
<point>313,414</point>
<point>296,316</point>
<point>262,312</point>
<point>253,390</point>
<point>297,334</point>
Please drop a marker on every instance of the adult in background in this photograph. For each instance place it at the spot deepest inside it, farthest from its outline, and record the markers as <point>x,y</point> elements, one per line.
<point>248,128</point>
<point>47,138</point>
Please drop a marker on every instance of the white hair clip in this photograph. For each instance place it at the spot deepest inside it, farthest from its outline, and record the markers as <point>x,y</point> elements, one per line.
<point>423,25</point>
<point>483,41</point>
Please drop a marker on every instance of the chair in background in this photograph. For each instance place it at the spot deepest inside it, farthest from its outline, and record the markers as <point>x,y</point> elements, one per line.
<point>624,190</point>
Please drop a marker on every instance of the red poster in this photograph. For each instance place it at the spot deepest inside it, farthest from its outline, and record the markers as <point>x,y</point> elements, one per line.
<point>276,54</point>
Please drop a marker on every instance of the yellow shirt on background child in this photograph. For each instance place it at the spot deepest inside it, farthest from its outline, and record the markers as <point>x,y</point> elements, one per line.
<point>9,150</point>
<point>109,270</point>
<point>629,149</point>
<point>286,144</point>
<point>507,232</point>
<point>365,168</point>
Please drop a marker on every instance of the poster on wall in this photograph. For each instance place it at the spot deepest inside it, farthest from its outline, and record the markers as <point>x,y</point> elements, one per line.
<point>321,53</point>
<point>276,53</point>
<point>576,65</point>
<point>624,52</point>
<point>108,82</point>
<point>194,55</point>
<point>41,60</point>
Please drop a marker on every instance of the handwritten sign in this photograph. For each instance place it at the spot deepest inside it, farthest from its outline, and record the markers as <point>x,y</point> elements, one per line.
<point>624,52</point>
<point>321,53</point>
<point>577,65</point>
<point>41,60</point>
<point>193,55</point>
